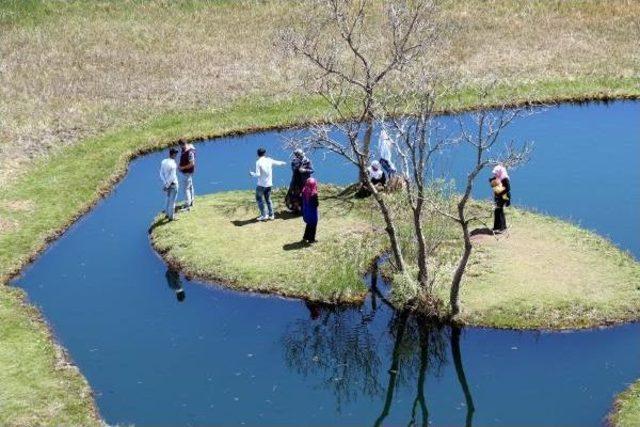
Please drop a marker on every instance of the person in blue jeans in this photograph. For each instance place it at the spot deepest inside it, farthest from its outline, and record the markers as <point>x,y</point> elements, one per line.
<point>264,173</point>
<point>169,179</point>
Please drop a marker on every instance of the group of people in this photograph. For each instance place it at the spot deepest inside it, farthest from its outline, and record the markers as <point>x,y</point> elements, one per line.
<point>169,177</point>
<point>302,196</point>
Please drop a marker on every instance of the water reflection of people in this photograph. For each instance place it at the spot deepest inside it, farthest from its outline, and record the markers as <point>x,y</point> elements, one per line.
<point>174,282</point>
<point>314,309</point>
<point>301,168</point>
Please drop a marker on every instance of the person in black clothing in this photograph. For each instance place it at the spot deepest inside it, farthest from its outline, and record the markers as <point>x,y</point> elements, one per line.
<point>301,169</point>
<point>174,282</point>
<point>501,195</point>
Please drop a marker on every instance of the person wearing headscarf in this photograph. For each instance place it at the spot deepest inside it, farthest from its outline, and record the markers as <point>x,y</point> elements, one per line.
<point>501,196</point>
<point>310,210</point>
<point>301,168</point>
<point>376,174</point>
<point>385,145</point>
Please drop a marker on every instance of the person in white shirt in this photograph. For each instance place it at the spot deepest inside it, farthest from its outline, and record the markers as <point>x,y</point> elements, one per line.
<point>169,179</point>
<point>385,147</point>
<point>264,173</point>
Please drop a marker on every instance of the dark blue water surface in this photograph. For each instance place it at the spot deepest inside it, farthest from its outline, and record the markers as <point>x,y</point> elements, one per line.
<point>228,358</point>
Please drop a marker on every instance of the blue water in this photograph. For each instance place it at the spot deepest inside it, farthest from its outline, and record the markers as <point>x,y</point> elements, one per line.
<point>221,357</point>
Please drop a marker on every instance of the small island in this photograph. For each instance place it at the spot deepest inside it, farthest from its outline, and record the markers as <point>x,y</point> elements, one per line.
<point>543,274</point>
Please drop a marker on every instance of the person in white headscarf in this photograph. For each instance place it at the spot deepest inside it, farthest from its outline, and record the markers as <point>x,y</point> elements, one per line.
<point>376,174</point>
<point>502,196</point>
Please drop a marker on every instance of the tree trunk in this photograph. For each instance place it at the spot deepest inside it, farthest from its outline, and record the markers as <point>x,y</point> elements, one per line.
<point>395,366</point>
<point>454,298</point>
<point>423,272</point>
<point>390,228</point>
<point>462,378</point>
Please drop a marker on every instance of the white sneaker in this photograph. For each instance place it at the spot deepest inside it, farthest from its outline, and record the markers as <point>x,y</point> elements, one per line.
<point>272,217</point>
<point>262,218</point>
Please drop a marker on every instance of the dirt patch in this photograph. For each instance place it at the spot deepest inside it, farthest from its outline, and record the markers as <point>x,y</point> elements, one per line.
<point>20,205</point>
<point>7,225</point>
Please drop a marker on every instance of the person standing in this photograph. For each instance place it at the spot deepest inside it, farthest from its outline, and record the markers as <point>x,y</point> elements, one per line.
<point>301,169</point>
<point>502,197</point>
<point>264,173</point>
<point>310,210</point>
<point>169,179</point>
<point>385,146</point>
<point>187,167</point>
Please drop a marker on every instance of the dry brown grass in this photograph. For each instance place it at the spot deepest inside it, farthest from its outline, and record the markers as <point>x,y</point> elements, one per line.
<point>86,67</point>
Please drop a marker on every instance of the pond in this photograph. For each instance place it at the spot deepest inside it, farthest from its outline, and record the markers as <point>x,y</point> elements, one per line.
<point>217,356</point>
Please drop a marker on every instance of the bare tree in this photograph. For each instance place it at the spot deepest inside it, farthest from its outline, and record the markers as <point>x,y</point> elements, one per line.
<point>483,137</point>
<point>411,119</point>
<point>353,71</point>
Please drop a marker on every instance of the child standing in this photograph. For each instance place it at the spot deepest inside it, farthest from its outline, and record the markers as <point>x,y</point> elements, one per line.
<point>310,210</point>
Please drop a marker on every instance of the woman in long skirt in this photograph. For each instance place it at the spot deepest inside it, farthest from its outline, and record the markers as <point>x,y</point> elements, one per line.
<point>310,210</point>
<point>502,197</point>
<point>301,169</point>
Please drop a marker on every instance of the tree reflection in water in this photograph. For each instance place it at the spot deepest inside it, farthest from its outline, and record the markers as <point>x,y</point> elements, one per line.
<point>342,347</point>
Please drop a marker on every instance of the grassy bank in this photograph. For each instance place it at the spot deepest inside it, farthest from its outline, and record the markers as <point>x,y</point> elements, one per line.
<point>86,85</point>
<point>545,273</point>
<point>626,409</point>
<point>37,384</point>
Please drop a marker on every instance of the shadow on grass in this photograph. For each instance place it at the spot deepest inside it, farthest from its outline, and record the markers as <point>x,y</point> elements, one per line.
<point>278,215</point>
<point>295,246</point>
<point>158,223</point>
<point>481,232</point>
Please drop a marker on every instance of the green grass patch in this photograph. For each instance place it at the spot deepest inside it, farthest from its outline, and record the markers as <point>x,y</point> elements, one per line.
<point>626,409</point>
<point>219,240</point>
<point>549,274</point>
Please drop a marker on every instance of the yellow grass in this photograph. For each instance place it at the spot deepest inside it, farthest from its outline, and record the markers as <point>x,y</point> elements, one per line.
<point>74,69</point>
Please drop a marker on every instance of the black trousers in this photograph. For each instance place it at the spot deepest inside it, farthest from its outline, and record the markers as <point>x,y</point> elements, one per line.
<point>499,221</point>
<point>310,232</point>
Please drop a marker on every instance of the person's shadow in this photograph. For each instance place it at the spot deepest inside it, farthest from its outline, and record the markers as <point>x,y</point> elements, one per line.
<point>296,246</point>
<point>160,222</point>
<point>278,215</point>
<point>481,232</point>
<point>174,282</point>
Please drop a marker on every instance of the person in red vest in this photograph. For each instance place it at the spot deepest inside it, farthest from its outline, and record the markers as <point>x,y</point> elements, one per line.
<point>187,166</point>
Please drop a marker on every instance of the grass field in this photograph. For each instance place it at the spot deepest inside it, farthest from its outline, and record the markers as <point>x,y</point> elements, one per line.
<point>71,70</point>
<point>86,85</point>
<point>626,410</point>
<point>544,274</point>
